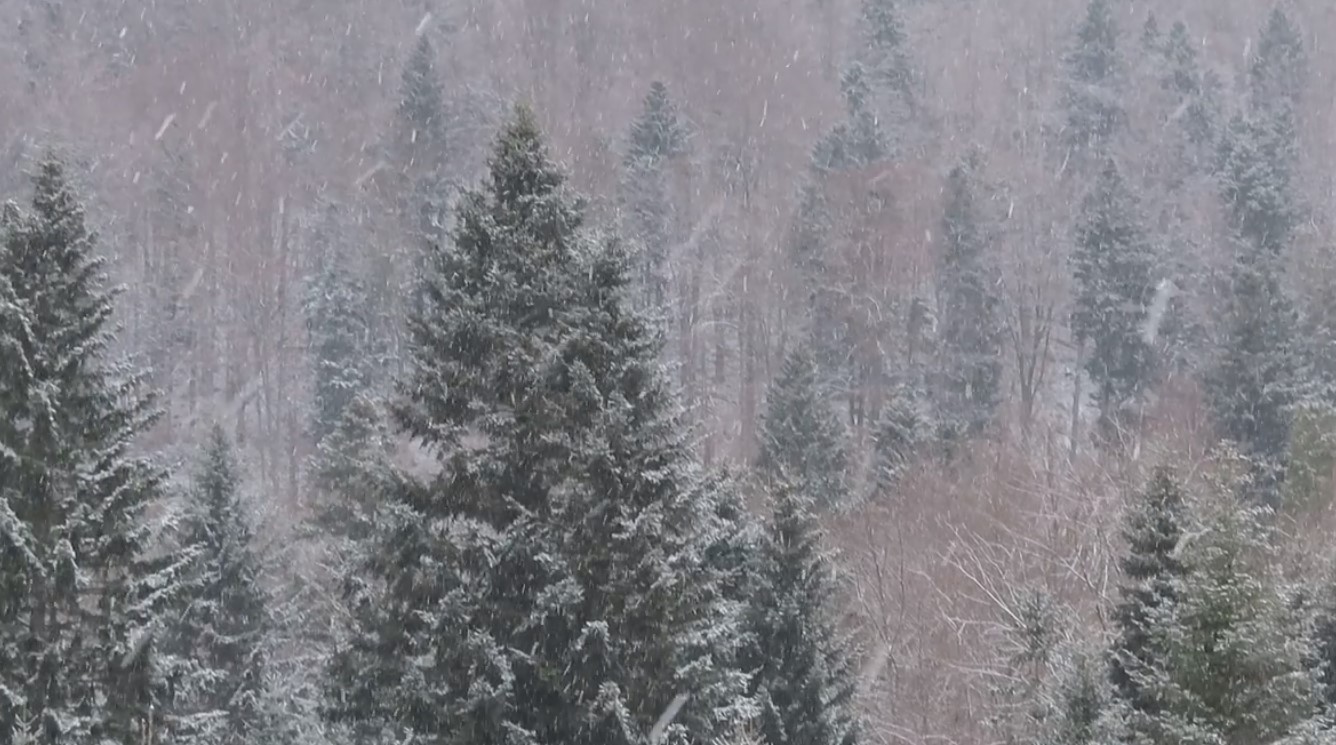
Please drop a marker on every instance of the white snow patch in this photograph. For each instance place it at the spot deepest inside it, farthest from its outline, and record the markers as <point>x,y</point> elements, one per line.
<point>1158,307</point>
<point>369,173</point>
<point>165,124</point>
<point>208,114</point>
<point>189,289</point>
<point>666,718</point>
<point>422,25</point>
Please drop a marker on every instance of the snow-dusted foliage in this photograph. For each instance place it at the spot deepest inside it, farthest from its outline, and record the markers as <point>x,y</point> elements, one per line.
<point>970,323</point>
<point>657,136</point>
<point>79,610</point>
<point>1227,655</point>
<point>1094,81</point>
<point>341,324</point>
<point>802,441</point>
<point>803,677</point>
<point>213,647</point>
<point>1113,267</point>
<point>555,583</point>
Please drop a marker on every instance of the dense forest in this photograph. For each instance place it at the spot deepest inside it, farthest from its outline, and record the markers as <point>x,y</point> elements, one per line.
<point>762,372</point>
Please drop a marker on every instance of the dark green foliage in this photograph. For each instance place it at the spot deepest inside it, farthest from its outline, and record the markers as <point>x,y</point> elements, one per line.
<point>1231,649</point>
<point>659,133</point>
<point>1324,646</point>
<point>1150,33</point>
<point>802,441</point>
<point>418,152</point>
<point>214,645</point>
<point>1254,384</point>
<point>1153,527</point>
<point>1278,69</point>
<point>80,598</point>
<point>421,112</point>
<point>882,54</point>
<point>1080,699</point>
<point>970,322</point>
<point>1094,80</point>
<point>1196,99</point>
<point>340,322</point>
<point>804,680</point>
<point>1257,159</point>
<point>1113,264</point>
<point>657,136</point>
<point>899,434</point>
<point>861,139</point>
<point>564,577</point>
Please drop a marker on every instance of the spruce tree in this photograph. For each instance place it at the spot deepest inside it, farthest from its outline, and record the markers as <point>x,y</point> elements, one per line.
<point>1092,93</point>
<point>900,432</point>
<point>554,582</point>
<point>1153,528</point>
<point>801,438</point>
<point>862,138</point>
<point>1196,95</point>
<point>1113,264</point>
<point>419,149</point>
<point>81,597</point>
<point>1324,645</point>
<point>419,141</point>
<point>217,672</point>
<point>803,679</point>
<point>1232,646</point>
<point>340,324</point>
<point>1254,383</point>
<point>883,59</point>
<point>1278,70</point>
<point>970,324</point>
<point>1257,157</point>
<point>657,136</point>
<point>1078,700</point>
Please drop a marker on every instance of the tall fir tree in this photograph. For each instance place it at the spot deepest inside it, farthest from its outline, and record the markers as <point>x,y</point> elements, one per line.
<point>1254,383</point>
<point>802,672</point>
<point>340,323</point>
<point>1093,88</point>
<point>900,432</point>
<point>1078,700</point>
<point>554,582</point>
<point>862,138</point>
<point>215,644</point>
<point>1233,647</point>
<point>1257,158</point>
<point>81,597</point>
<point>657,136</point>
<point>1113,266</point>
<point>1196,96</point>
<point>1256,379</point>
<point>882,61</point>
<point>802,440</point>
<point>1278,69</point>
<point>1153,528</point>
<point>418,149</point>
<point>970,323</point>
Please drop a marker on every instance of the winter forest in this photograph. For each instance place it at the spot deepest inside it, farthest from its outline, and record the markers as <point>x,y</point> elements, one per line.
<point>667,372</point>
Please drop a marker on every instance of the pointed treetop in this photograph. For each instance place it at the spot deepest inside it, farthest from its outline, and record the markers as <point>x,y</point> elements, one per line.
<point>521,166</point>
<point>883,30</point>
<point>659,133</point>
<point>1280,64</point>
<point>1150,32</point>
<point>1095,56</point>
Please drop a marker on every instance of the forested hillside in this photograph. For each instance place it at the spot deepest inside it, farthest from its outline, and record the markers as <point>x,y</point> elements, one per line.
<point>789,372</point>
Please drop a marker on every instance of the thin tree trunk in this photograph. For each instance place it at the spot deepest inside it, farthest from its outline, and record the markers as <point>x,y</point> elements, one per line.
<point>1076,397</point>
